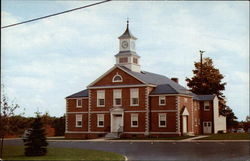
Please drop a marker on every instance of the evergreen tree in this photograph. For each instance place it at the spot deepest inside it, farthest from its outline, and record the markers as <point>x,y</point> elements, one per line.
<point>35,141</point>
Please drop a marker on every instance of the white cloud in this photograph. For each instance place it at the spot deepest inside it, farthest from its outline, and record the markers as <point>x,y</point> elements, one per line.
<point>63,54</point>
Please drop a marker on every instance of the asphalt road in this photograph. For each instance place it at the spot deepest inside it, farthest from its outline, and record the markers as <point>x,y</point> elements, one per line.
<point>209,151</point>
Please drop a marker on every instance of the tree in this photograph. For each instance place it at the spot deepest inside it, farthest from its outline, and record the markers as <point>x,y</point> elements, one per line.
<point>35,141</point>
<point>59,125</point>
<point>230,118</point>
<point>208,80</point>
<point>7,109</point>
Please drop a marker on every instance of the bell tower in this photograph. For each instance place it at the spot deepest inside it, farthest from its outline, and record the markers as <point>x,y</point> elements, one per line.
<point>127,54</point>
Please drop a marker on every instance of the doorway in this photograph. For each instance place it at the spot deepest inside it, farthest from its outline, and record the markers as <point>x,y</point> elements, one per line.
<point>207,127</point>
<point>116,123</point>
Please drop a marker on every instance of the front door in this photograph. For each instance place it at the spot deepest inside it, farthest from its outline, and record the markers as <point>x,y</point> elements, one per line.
<point>117,123</point>
<point>184,123</point>
<point>207,127</point>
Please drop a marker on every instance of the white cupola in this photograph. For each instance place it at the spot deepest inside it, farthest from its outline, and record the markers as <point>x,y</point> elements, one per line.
<point>127,55</point>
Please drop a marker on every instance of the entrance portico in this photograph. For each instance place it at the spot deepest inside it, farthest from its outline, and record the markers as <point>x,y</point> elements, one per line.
<point>116,119</point>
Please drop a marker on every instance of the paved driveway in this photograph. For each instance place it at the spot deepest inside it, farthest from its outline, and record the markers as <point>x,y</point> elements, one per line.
<point>163,150</point>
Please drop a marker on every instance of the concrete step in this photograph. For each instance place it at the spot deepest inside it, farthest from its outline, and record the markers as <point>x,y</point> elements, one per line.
<point>112,135</point>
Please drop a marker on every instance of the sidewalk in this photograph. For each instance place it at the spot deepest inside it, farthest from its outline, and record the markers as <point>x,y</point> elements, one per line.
<point>194,138</point>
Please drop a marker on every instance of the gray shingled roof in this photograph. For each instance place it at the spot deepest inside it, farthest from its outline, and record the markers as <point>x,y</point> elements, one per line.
<point>205,97</point>
<point>164,85</point>
<point>83,93</point>
<point>167,85</point>
<point>127,34</point>
<point>127,53</point>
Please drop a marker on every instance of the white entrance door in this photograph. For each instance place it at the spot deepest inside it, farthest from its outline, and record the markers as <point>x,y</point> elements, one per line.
<point>184,124</point>
<point>117,123</point>
<point>207,127</point>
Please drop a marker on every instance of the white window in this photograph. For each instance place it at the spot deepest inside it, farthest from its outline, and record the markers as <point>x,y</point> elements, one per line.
<point>100,98</point>
<point>162,120</point>
<point>100,120</point>
<point>206,106</point>
<point>79,103</point>
<point>117,97</point>
<point>162,100</point>
<point>117,78</point>
<point>134,97</point>
<point>134,120</point>
<point>78,120</point>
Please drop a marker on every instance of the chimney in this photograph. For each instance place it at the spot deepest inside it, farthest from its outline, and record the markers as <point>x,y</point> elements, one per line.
<point>175,80</point>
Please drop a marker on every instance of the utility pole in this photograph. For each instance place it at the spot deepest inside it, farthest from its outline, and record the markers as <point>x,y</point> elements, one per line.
<point>201,52</point>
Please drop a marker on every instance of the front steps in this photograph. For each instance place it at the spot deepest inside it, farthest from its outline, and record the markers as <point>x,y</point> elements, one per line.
<point>112,135</point>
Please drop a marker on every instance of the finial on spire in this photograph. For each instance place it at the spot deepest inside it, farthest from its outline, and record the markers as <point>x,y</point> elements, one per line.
<point>127,22</point>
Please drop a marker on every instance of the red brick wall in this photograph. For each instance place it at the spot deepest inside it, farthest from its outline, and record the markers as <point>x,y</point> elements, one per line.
<point>125,99</point>
<point>141,122</point>
<point>72,122</point>
<point>188,105</point>
<point>197,122</point>
<point>170,103</point>
<point>94,120</point>
<point>171,122</point>
<point>72,105</point>
<point>107,80</point>
<point>207,115</point>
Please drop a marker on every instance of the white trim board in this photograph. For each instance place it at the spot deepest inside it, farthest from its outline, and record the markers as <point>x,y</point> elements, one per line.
<point>107,72</point>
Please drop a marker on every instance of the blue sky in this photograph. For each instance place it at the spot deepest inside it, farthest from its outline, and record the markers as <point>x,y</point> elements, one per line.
<point>47,60</point>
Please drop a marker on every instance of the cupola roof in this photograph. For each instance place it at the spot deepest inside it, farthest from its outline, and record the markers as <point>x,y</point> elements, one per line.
<point>127,33</point>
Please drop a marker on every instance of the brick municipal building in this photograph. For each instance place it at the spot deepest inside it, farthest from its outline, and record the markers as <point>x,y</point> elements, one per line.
<point>128,102</point>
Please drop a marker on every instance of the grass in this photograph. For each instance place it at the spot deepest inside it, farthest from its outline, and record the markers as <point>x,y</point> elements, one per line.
<point>17,153</point>
<point>168,138</point>
<point>228,136</point>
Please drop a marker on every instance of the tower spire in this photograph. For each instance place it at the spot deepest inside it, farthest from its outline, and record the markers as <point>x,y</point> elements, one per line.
<point>127,22</point>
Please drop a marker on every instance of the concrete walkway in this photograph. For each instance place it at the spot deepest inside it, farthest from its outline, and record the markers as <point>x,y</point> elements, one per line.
<point>194,138</point>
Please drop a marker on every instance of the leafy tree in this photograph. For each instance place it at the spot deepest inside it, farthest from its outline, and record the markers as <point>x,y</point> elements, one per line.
<point>230,118</point>
<point>59,125</point>
<point>7,109</point>
<point>35,141</point>
<point>208,80</point>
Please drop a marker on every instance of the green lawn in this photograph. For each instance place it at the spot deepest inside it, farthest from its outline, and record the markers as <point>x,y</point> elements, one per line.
<point>17,153</point>
<point>228,136</point>
<point>168,138</point>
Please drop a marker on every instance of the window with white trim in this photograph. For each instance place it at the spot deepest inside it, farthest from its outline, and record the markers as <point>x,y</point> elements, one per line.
<point>162,120</point>
<point>134,120</point>
<point>135,60</point>
<point>206,106</point>
<point>100,120</point>
<point>117,97</point>
<point>123,60</point>
<point>134,97</point>
<point>100,98</point>
<point>78,120</point>
<point>78,103</point>
<point>117,78</point>
<point>162,100</point>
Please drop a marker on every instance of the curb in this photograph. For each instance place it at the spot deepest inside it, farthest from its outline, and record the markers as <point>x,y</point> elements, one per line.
<point>154,141</point>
